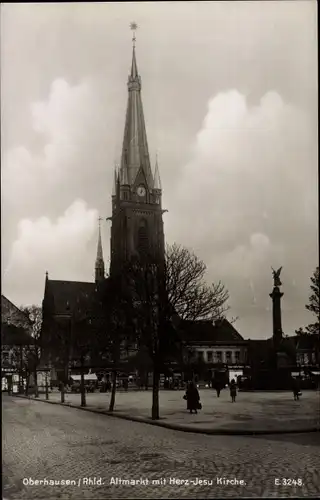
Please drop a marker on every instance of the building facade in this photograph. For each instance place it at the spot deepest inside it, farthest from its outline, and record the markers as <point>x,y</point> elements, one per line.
<point>15,338</point>
<point>214,347</point>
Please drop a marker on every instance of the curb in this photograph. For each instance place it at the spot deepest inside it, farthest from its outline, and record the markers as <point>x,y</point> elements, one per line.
<point>178,427</point>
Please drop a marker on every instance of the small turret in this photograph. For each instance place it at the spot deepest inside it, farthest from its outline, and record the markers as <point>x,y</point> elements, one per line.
<point>99,265</point>
<point>157,183</point>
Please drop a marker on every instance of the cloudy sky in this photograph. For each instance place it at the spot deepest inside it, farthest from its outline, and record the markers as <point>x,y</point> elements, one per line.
<point>230,100</point>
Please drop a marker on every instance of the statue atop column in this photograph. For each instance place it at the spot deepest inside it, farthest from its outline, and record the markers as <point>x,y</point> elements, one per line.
<point>276,277</point>
<point>276,307</point>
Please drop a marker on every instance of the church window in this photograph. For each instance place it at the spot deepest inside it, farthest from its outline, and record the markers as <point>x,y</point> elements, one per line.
<point>200,356</point>
<point>143,239</point>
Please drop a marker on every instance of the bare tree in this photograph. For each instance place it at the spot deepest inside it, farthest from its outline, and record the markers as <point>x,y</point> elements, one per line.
<point>32,353</point>
<point>112,325</point>
<point>146,283</point>
<point>190,297</point>
<point>57,337</point>
<point>313,306</point>
<point>161,294</point>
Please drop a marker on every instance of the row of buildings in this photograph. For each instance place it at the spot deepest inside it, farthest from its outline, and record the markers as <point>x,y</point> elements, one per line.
<point>212,350</point>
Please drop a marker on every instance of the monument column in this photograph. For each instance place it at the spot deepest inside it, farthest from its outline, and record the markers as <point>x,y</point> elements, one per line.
<point>276,307</point>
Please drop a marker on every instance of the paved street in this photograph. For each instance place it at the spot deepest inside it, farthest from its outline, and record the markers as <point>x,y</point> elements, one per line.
<point>55,443</point>
<point>252,410</point>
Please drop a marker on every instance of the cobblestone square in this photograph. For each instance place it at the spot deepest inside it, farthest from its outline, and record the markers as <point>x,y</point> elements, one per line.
<point>57,443</point>
<point>252,410</point>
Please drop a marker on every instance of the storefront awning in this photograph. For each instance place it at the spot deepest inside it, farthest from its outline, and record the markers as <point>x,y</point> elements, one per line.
<point>91,376</point>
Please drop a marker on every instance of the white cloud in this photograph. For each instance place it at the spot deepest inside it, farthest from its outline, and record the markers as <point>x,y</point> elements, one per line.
<point>248,194</point>
<point>68,125</point>
<point>60,246</point>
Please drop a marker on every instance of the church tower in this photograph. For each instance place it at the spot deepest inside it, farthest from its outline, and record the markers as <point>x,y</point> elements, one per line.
<point>99,264</point>
<point>137,225</point>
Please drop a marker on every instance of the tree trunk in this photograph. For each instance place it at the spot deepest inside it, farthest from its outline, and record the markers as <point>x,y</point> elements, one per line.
<point>146,386</point>
<point>21,388</point>
<point>65,378</point>
<point>155,394</point>
<point>47,388</point>
<point>36,390</point>
<point>82,385</point>
<point>62,392</point>
<point>10,384</point>
<point>113,391</point>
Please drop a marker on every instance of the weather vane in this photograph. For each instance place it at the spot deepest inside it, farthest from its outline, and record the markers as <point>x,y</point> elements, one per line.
<point>134,27</point>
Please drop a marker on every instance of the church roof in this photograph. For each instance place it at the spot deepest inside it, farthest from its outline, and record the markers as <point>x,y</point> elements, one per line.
<point>220,331</point>
<point>69,295</point>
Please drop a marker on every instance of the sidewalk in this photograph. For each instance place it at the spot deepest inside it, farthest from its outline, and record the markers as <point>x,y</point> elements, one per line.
<point>253,413</point>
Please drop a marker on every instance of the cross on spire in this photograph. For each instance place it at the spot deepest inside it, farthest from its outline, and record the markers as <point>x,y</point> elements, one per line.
<point>133,27</point>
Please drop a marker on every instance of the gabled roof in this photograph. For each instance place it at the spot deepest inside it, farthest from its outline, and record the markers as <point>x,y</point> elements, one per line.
<point>68,296</point>
<point>207,331</point>
<point>306,342</point>
<point>11,314</point>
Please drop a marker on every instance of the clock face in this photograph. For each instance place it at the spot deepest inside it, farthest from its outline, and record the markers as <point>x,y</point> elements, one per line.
<point>141,191</point>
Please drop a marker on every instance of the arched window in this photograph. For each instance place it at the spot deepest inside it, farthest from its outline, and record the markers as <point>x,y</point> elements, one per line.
<point>143,238</point>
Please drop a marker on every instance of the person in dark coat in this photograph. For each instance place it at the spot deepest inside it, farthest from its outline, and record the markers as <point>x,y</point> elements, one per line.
<point>295,389</point>
<point>233,390</point>
<point>218,387</point>
<point>193,398</point>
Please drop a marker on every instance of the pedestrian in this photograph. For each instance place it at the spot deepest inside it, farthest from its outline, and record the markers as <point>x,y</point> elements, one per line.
<point>295,389</point>
<point>218,388</point>
<point>193,398</point>
<point>233,390</point>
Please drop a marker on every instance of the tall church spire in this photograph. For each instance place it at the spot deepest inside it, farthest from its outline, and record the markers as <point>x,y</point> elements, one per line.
<point>99,265</point>
<point>135,153</point>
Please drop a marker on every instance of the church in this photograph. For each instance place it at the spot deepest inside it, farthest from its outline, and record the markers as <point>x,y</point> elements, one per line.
<point>136,223</point>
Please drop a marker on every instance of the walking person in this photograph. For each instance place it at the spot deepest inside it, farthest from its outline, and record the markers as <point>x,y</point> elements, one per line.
<point>218,388</point>
<point>193,398</point>
<point>233,390</point>
<point>125,384</point>
<point>295,389</point>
